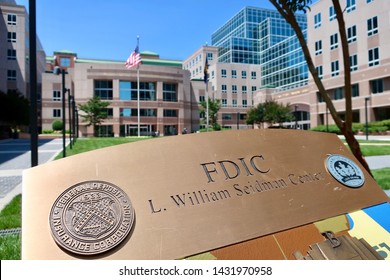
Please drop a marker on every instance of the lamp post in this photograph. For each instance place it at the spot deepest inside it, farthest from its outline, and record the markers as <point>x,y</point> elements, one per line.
<point>70,97</point>
<point>238,120</point>
<point>296,116</point>
<point>33,84</point>
<point>73,119</point>
<point>366,110</point>
<point>57,70</point>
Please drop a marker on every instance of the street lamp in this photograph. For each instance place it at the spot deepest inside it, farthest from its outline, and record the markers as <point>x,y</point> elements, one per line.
<point>238,120</point>
<point>296,116</point>
<point>70,97</point>
<point>366,110</point>
<point>73,119</point>
<point>57,70</point>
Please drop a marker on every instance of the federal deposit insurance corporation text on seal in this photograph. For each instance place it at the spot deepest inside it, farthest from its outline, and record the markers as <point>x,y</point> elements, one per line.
<point>91,218</point>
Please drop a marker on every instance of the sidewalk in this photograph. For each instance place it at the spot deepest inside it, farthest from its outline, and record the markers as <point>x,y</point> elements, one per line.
<point>15,156</point>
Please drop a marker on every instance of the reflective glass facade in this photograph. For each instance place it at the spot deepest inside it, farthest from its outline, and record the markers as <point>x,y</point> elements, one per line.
<point>284,65</point>
<point>240,39</point>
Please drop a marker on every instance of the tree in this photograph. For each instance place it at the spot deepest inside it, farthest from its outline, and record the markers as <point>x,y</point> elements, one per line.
<point>270,112</point>
<point>214,106</point>
<point>96,112</point>
<point>288,8</point>
<point>14,109</point>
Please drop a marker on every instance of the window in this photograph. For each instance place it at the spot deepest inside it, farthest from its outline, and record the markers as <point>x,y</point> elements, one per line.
<point>353,62</point>
<point>108,111</point>
<point>243,89</point>
<point>351,34</point>
<point>128,91</point>
<point>335,71</point>
<point>169,92</point>
<point>223,73</point>
<point>103,89</point>
<point>332,13</point>
<point>377,86</point>
<point>334,42</point>
<point>234,88</point>
<point>369,1</point>
<point>320,71</point>
<point>224,88</point>
<point>253,74</point>
<point>355,90</point>
<point>234,74</point>
<point>244,103</point>
<point>373,57</point>
<point>351,5</point>
<point>224,102</point>
<point>12,37</point>
<point>372,26</point>
<point>169,113</point>
<point>11,75</point>
<point>11,54</point>
<point>317,20</point>
<point>234,102</point>
<point>254,89</point>
<point>104,130</point>
<point>210,56</point>
<point>227,117</point>
<point>212,74</point>
<point>65,61</point>
<point>243,74</point>
<point>11,19</point>
<point>56,113</point>
<point>56,95</point>
<point>318,47</point>
<point>339,93</point>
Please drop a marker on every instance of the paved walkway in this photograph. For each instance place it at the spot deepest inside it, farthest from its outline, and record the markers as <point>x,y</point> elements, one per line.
<point>15,156</point>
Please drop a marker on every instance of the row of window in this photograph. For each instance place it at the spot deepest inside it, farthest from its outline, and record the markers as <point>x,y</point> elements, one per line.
<point>198,59</point>
<point>372,28</point>
<point>11,19</point>
<point>373,60</point>
<point>129,112</point>
<point>350,6</point>
<point>376,86</point>
<point>234,89</point>
<point>234,74</point>
<point>128,91</point>
<point>244,103</point>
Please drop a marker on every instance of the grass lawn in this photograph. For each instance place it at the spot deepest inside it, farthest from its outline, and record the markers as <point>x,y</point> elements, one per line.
<point>10,217</point>
<point>382,176</point>
<point>88,144</point>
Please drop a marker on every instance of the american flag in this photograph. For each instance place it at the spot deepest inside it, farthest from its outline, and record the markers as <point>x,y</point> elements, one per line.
<point>134,59</point>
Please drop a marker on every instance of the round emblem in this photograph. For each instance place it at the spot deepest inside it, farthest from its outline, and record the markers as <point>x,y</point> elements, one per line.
<point>345,171</point>
<point>91,218</point>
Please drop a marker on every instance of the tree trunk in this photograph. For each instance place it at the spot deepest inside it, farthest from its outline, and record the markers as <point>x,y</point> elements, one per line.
<point>344,126</point>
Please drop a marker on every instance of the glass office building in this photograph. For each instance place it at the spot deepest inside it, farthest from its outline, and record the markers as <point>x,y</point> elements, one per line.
<point>245,36</point>
<point>284,66</point>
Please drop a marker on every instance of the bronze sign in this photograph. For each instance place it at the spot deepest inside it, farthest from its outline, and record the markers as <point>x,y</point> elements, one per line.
<point>191,193</point>
<point>91,218</point>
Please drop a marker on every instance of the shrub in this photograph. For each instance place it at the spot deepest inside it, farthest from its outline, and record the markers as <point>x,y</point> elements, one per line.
<point>331,128</point>
<point>47,131</point>
<point>57,125</point>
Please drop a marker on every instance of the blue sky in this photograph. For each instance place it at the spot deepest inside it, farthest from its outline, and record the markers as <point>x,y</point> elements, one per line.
<point>104,29</point>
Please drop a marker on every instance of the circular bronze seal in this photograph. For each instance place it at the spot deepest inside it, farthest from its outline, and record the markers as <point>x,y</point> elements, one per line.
<point>91,217</point>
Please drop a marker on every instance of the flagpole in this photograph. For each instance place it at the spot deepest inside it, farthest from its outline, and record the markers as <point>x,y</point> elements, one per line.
<point>138,105</point>
<point>207,107</point>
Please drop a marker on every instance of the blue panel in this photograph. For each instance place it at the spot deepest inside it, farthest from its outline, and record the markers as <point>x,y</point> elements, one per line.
<point>381,214</point>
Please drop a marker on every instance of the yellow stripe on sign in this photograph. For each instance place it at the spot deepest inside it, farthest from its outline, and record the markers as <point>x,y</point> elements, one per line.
<point>368,229</point>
